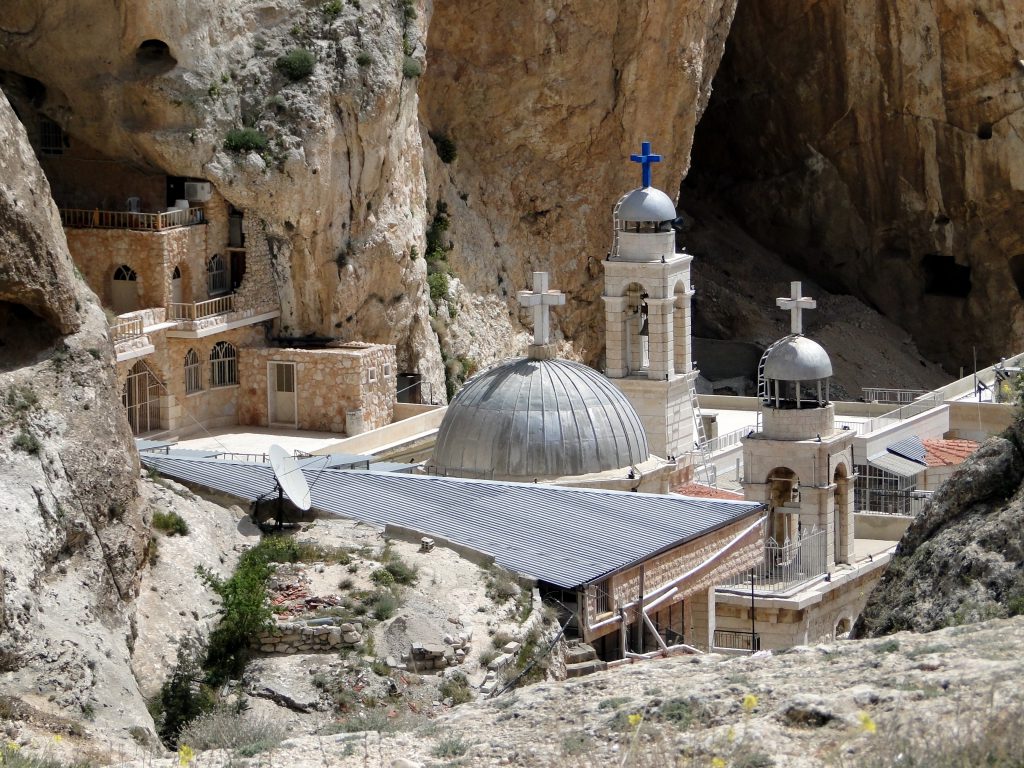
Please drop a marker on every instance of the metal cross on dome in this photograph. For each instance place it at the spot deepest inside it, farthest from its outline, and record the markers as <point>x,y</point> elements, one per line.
<point>540,298</point>
<point>795,303</point>
<point>646,158</point>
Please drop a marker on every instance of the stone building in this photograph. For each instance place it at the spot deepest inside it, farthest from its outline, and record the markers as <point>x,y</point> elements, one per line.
<point>189,288</point>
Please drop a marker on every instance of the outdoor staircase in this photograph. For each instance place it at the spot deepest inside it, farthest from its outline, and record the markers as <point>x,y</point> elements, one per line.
<point>581,659</point>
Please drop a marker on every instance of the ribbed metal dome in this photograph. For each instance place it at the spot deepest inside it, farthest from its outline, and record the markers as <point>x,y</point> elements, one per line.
<point>528,419</point>
<point>646,204</point>
<point>797,358</point>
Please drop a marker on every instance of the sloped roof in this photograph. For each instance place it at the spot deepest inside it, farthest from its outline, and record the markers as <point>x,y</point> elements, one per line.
<point>564,536</point>
<point>947,453</point>
<point>701,491</point>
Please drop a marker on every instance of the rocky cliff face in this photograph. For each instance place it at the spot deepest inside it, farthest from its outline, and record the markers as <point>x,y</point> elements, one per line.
<point>879,146</point>
<point>72,534</point>
<point>960,560</point>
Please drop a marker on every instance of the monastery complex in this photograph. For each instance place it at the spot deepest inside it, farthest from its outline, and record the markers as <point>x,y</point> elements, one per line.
<point>656,519</point>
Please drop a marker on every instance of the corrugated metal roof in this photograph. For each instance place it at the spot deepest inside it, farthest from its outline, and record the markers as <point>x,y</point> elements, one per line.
<point>393,466</point>
<point>909,448</point>
<point>897,465</point>
<point>335,461</point>
<point>565,536</point>
<point>191,453</point>
<point>142,444</point>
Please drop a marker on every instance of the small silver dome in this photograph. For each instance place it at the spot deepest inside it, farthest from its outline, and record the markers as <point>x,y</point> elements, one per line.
<point>527,419</point>
<point>797,358</point>
<point>646,204</point>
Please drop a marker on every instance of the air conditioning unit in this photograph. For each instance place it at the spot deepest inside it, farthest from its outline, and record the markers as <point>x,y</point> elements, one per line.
<point>198,191</point>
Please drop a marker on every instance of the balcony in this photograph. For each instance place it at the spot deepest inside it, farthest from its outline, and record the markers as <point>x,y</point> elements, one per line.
<point>80,218</point>
<point>204,318</point>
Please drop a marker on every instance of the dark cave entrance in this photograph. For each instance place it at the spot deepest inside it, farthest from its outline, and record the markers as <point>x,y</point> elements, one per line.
<point>24,336</point>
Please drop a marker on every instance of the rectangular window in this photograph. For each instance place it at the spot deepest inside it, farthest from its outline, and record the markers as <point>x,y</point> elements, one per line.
<point>603,595</point>
<point>52,139</point>
<point>193,378</point>
<point>372,375</point>
<point>285,377</point>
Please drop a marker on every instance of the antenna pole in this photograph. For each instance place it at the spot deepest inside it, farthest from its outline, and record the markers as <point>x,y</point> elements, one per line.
<point>280,507</point>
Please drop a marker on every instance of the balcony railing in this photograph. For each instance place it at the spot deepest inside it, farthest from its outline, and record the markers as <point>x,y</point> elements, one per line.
<point>80,218</point>
<point>126,330</point>
<point>789,564</point>
<point>737,641</point>
<point>898,396</point>
<point>221,305</point>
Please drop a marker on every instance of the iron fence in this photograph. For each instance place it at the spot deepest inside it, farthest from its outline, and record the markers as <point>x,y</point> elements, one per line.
<point>788,564</point>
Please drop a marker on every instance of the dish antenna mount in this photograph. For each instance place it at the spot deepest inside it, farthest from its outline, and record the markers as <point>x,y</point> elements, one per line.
<point>291,484</point>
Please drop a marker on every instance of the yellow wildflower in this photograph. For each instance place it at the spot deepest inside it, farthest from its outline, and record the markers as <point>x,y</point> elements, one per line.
<point>867,724</point>
<point>185,754</point>
<point>749,702</point>
<point>717,762</point>
<point>12,746</point>
<point>634,720</point>
<point>57,738</point>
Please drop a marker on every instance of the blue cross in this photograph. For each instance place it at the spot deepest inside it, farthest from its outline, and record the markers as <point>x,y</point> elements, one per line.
<point>645,158</point>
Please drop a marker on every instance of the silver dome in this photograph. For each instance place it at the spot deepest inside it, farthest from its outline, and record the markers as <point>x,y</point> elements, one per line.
<point>797,358</point>
<point>646,204</point>
<point>528,419</point>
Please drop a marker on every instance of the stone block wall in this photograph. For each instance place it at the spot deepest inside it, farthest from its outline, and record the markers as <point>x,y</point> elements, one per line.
<point>329,383</point>
<point>625,586</point>
<point>258,291</point>
<point>306,637</point>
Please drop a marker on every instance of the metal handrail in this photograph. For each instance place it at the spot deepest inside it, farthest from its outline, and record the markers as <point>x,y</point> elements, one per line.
<point>884,395</point>
<point>736,641</point>
<point>83,218</point>
<point>126,330</point>
<point>221,305</point>
<point>789,564</point>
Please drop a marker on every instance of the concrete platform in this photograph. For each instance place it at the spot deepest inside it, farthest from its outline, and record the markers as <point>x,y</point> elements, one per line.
<point>240,439</point>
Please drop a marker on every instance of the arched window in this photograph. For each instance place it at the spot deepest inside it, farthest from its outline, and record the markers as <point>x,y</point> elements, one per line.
<point>216,275</point>
<point>193,373</point>
<point>223,365</point>
<point>124,272</point>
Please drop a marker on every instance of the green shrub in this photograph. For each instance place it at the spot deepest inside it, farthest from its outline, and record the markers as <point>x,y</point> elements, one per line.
<point>180,700</point>
<point>384,605</point>
<point>364,59</point>
<point>245,140</point>
<point>170,523</point>
<point>451,746</point>
<point>446,149</point>
<point>27,442</point>
<point>401,572</point>
<point>227,728</point>
<point>21,399</point>
<point>457,689</point>
<point>411,68</point>
<point>439,285</point>
<point>408,10</point>
<point>382,576</point>
<point>576,743</point>
<point>297,64</point>
<point>332,9</point>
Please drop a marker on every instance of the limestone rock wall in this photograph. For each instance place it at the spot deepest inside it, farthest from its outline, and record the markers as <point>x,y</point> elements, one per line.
<point>878,145</point>
<point>72,533</point>
<point>544,104</point>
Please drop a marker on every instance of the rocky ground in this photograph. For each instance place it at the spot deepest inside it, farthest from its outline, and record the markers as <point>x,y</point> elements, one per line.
<point>849,703</point>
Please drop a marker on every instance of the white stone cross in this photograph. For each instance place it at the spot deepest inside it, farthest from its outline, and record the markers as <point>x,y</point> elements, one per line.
<point>795,303</point>
<point>540,298</point>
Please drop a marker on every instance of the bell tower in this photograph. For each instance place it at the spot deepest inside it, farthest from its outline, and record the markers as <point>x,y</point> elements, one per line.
<point>647,299</point>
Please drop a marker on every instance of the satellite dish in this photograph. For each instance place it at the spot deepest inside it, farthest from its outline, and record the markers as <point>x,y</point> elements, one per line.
<point>289,477</point>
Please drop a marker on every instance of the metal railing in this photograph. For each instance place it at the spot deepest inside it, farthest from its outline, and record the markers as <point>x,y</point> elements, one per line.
<point>882,395</point>
<point>874,501</point>
<point>904,412</point>
<point>853,426</point>
<point>789,564</point>
<point>737,641</point>
<point>221,305</point>
<point>83,218</point>
<point>729,439</point>
<point>126,330</point>
<point>256,458</point>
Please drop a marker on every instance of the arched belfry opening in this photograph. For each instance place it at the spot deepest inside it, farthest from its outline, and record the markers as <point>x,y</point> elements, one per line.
<point>647,305</point>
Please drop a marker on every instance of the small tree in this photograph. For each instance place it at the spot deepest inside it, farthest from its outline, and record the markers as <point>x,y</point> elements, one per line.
<point>297,64</point>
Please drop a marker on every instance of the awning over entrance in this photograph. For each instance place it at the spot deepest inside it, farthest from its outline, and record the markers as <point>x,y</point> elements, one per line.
<point>897,465</point>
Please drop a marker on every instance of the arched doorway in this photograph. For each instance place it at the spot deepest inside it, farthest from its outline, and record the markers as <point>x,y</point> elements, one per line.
<point>841,515</point>
<point>124,290</point>
<point>784,504</point>
<point>141,399</point>
<point>177,292</point>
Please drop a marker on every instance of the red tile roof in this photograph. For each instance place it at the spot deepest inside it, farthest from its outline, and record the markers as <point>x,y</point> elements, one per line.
<point>702,491</point>
<point>947,453</point>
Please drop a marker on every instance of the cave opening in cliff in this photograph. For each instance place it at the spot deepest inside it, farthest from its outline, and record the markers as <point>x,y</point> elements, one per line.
<point>944,277</point>
<point>23,336</point>
<point>154,57</point>
<point>1017,270</point>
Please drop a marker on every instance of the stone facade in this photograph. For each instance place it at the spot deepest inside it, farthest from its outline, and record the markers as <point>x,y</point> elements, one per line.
<point>686,560</point>
<point>345,388</point>
<point>665,409</point>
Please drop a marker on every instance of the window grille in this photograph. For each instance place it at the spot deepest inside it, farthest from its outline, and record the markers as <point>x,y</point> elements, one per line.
<point>124,272</point>
<point>216,275</point>
<point>603,597</point>
<point>193,373</point>
<point>52,139</point>
<point>877,490</point>
<point>223,365</point>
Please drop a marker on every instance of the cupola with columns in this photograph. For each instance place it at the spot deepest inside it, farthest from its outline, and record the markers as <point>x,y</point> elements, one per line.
<point>647,298</point>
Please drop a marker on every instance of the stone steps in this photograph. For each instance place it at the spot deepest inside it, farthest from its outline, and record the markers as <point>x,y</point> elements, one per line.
<point>579,669</point>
